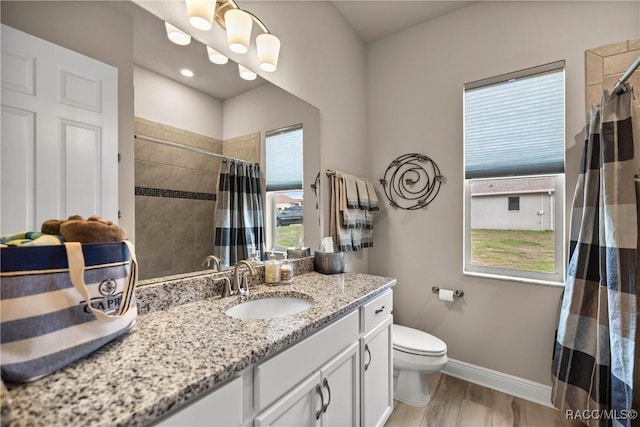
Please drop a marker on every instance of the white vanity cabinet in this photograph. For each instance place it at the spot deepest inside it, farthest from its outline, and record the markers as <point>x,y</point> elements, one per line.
<point>377,361</point>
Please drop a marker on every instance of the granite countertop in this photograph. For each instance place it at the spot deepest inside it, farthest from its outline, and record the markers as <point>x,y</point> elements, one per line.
<point>176,354</point>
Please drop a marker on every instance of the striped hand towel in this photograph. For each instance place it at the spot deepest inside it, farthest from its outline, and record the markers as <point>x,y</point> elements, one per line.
<point>352,217</point>
<point>340,235</point>
<point>363,194</point>
<point>373,197</point>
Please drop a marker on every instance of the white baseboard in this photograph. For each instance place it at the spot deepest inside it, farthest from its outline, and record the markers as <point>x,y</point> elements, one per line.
<point>515,386</point>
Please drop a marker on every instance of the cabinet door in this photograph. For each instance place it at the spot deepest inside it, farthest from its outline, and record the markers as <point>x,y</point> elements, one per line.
<point>341,389</point>
<point>377,375</point>
<point>300,407</point>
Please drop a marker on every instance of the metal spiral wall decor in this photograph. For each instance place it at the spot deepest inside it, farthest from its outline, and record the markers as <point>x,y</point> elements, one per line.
<point>412,181</point>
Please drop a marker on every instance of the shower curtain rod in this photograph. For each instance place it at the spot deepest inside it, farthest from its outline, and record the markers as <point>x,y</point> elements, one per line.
<point>188,148</point>
<point>617,89</point>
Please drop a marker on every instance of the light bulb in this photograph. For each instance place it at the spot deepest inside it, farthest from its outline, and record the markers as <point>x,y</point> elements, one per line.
<point>268,47</point>
<point>246,73</point>
<point>239,25</point>
<point>216,57</point>
<point>200,13</point>
<point>176,35</point>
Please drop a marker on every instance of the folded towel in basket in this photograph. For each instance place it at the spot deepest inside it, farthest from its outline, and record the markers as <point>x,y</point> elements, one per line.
<point>30,238</point>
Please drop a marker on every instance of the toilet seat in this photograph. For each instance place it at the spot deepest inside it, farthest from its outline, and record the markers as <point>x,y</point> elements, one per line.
<point>413,341</point>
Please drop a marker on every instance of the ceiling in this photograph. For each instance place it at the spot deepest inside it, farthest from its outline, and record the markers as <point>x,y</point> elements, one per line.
<point>374,20</point>
<point>371,19</point>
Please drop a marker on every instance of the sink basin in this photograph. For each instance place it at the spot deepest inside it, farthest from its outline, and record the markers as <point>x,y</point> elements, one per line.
<point>267,308</point>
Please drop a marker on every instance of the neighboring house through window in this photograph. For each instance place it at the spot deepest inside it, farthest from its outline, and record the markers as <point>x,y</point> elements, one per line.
<point>514,175</point>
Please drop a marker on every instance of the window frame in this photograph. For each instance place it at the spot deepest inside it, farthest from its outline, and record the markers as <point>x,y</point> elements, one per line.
<point>556,278</point>
<point>516,200</point>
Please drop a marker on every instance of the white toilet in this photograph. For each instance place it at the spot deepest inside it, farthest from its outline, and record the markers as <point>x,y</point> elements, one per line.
<point>415,353</point>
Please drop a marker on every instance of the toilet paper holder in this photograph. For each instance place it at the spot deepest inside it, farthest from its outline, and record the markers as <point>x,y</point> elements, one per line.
<point>457,293</point>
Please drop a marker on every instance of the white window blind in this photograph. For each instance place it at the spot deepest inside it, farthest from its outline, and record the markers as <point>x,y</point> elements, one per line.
<point>514,125</point>
<point>284,159</point>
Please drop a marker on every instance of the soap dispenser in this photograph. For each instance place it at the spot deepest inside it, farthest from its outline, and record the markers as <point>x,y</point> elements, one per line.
<point>272,270</point>
<point>286,271</point>
<point>254,256</point>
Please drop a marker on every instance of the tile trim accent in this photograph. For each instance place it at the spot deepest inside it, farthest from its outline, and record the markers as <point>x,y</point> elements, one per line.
<point>174,194</point>
<point>515,386</point>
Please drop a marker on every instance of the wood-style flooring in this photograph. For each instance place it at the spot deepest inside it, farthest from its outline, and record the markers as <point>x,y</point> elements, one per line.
<point>457,403</point>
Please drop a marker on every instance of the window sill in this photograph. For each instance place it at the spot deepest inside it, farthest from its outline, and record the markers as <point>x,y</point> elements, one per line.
<point>514,279</point>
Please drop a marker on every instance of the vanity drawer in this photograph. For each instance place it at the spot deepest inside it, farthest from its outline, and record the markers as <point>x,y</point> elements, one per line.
<point>281,373</point>
<point>377,310</point>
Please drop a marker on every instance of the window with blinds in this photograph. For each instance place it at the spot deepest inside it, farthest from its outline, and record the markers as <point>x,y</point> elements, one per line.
<point>284,192</point>
<point>284,159</point>
<point>514,145</point>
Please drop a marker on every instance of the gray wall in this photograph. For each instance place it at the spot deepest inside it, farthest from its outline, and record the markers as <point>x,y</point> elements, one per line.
<point>415,83</point>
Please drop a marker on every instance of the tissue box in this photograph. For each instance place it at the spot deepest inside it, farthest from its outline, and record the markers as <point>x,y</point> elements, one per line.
<point>328,262</point>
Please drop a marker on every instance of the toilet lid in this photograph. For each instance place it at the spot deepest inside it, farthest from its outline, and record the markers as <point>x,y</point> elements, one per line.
<point>418,342</point>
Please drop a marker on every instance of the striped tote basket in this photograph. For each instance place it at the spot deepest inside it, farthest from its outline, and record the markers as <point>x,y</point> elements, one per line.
<point>60,303</point>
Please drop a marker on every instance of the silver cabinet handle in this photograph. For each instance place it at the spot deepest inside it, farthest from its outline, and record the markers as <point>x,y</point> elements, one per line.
<point>366,350</point>
<point>380,310</point>
<point>319,411</point>
<point>326,384</point>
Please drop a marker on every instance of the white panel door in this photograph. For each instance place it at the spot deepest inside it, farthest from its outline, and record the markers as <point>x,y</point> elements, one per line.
<point>59,134</point>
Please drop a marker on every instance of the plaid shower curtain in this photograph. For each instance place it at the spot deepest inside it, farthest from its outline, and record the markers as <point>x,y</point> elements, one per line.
<point>239,224</point>
<point>596,351</point>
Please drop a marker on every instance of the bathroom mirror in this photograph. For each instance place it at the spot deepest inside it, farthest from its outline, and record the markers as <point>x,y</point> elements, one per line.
<point>213,111</point>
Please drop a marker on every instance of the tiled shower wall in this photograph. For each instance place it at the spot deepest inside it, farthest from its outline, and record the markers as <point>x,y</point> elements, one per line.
<point>175,196</point>
<point>246,147</point>
<point>605,65</point>
<point>175,200</point>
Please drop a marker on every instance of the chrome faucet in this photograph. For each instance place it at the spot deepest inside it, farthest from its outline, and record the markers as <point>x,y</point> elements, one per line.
<point>237,281</point>
<point>215,259</point>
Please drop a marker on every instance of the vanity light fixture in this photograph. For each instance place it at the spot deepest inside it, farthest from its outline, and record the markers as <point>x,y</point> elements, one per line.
<point>176,35</point>
<point>186,72</point>
<point>238,24</point>
<point>246,73</point>
<point>216,57</point>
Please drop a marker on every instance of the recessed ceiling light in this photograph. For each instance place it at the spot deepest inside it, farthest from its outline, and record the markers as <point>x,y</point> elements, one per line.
<point>186,72</point>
